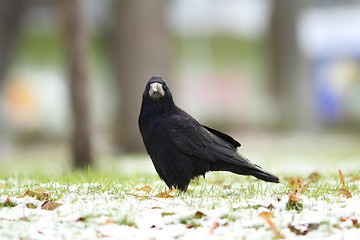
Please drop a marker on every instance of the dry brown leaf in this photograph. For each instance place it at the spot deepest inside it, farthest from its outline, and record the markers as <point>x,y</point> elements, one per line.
<point>353,220</point>
<point>303,189</point>
<point>8,203</point>
<point>166,214</point>
<point>273,227</point>
<point>344,193</point>
<point>41,196</point>
<point>108,221</point>
<point>266,215</point>
<point>50,205</point>
<point>81,219</point>
<point>30,205</point>
<point>2,186</point>
<point>315,176</point>
<point>140,197</point>
<point>342,180</point>
<point>304,228</point>
<point>271,206</point>
<point>144,188</point>
<point>355,178</point>
<point>295,182</point>
<point>294,198</point>
<point>163,195</point>
<point>25,219</point>
<point>213,227</point>
<point>199,215</point>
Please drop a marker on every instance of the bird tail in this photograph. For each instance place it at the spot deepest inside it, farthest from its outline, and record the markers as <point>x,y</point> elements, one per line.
<point>245,169</point>
<point>261,174</point>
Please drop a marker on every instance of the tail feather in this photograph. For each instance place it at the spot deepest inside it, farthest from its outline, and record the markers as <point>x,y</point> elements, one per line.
<point>248,169</point>
<point>268,177</point>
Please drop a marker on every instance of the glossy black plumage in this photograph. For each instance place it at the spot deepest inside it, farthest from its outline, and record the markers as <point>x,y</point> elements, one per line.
<point>181,148</point>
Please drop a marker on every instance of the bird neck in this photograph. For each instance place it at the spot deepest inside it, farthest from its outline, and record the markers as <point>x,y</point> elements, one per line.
<point>159,107</point>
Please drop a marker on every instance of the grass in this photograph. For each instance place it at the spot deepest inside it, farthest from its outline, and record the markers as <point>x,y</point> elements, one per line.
<point>216,186</point>
<point>311,202</point>
<point>106,199</point>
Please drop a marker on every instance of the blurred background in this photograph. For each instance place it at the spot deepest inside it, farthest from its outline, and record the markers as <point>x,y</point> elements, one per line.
<point>281,76</point>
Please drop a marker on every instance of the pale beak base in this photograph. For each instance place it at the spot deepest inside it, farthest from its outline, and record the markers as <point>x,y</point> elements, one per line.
<point>156,91</point>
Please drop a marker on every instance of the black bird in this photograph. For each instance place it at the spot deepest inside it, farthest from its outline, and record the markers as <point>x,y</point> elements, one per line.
<point>181,148</point>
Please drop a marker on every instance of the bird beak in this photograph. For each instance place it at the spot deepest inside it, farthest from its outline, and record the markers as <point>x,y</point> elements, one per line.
<point>156,91</point>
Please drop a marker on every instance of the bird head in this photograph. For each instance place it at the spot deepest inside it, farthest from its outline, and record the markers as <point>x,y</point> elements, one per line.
<point>157,89</point>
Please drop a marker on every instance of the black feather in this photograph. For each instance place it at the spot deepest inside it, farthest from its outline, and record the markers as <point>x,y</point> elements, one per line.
<point>181,148</point>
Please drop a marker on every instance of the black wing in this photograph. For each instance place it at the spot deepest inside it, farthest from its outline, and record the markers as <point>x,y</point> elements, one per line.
<point>192,138</point>
<point>224,136</point>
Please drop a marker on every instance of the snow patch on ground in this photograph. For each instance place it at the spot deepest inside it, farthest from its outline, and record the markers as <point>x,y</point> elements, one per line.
<point>88,214</point>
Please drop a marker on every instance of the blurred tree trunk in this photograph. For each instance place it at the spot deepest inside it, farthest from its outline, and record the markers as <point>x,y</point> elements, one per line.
<point>290,77</point>
<point>11,14</point>
<point>76,46</point>
<point>142,51</point>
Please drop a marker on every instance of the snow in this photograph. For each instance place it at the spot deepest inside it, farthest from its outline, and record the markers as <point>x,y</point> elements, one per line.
<point>112,215</point>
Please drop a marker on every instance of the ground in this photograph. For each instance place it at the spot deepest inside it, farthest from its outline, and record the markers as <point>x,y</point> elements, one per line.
<point>318,198</point>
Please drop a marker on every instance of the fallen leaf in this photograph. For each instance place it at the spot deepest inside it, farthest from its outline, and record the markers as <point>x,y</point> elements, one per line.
<point>108,221</point>
<point>304,228</point>
<point>41,196</point>
<point>213,227</point>
<point>295,182</point>
<point>342,180</point>
<point>30,205</point>
<point>156,208</point>
<point>199,215</point>
<point>144,188</point>
<point>25,219</point>
<point>303,189</point>
<point>353,220</point>
<point>294,202</point>
<point>271,206</point>
<point>354,179</point>
<point>9,203</point>
<point>81,219</point>
<point>344,193</point>
<point>266,215</point>
<point>294,198</point>
<point>163,195</point>
<point>50,205</point>
<point>140,197</point>
<point>313,177</point>
<point>273,227</point>
<point>166,214</point>
<point>2,186</point>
